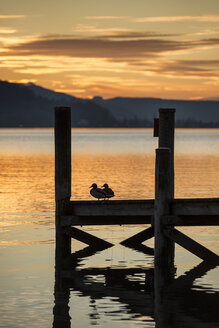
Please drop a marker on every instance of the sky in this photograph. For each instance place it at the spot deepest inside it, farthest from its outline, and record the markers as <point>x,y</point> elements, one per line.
<point>86,48</point>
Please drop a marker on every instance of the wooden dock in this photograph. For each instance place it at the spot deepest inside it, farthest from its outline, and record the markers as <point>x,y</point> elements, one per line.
<point>163,214</point>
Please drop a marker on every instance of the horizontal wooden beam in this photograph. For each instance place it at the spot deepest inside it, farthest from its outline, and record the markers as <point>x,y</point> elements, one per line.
<point>191,220</point>
<point>104,220</point>
<point>191,245</point>
<point>110,208</point>
<point>198,206</point>
<point>184,212</point>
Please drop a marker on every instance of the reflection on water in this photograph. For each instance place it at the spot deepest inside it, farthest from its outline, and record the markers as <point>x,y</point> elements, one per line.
<point>125,160</point>
<point>128,295</point>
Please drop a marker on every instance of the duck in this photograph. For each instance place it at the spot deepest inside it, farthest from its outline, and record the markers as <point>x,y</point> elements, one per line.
<point>97,192</point>
<point>108,191</point>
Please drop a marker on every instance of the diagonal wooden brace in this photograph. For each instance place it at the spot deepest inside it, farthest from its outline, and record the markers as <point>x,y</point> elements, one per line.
<point>86,238</point>
<point>136,241</point>
<point>191,245</point>
<point>95,245</point>
<point>139,237</point>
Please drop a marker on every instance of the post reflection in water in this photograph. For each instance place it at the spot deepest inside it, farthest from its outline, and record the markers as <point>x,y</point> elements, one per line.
<point>62,318</point>
<point>160,303</point>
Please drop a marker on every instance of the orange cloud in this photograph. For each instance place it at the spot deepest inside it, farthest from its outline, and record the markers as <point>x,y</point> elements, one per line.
<point>12,16</point>
<point>105,47</point>
<point>201,18</point>
<point>106,17</point>
<point>115,62</point>
<point>7,30</point>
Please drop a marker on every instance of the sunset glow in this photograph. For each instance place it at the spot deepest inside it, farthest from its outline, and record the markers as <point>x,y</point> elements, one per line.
<point>142,49</point>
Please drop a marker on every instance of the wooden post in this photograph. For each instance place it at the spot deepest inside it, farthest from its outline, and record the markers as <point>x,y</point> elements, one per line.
<point>166,139</point>
<point>156,127</point>
<point>164,265</point>
<point>62,177</point>
<point>62,153</point>
<point>163,255</point>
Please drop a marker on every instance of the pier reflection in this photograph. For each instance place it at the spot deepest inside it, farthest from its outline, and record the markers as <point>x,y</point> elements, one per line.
<point>151,303</point>
<point>61,317</point>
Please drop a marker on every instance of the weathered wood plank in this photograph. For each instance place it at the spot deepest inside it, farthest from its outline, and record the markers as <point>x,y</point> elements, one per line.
<point>179,207</point>
<point>104,220</point>
<point>191,220</point>
<point>110,208</point>
<point>184,212</point>
<point>113,212</point>
<point>191,245</point>
<point>198,206</point>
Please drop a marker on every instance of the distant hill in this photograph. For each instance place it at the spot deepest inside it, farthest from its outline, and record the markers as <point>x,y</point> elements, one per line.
<point>47,93</point>
<point>147,108</point>
<point>29,105</point>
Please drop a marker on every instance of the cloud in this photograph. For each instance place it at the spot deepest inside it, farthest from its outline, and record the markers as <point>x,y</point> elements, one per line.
<point>201,18</point>
<point>91,29</point>
<point>7,30</point>
<point>95,47</point>
<point>121,33</point>
<point>106,17</point>
<point>183,68</point>
<point>121,62</point>
<point>12,16</point>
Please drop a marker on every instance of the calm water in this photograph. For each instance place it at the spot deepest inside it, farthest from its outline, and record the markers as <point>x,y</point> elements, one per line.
<point>124,159</point>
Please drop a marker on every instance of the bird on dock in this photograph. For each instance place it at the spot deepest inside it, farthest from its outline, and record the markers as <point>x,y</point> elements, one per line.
<point>97,192</point>
<point>108,191</point>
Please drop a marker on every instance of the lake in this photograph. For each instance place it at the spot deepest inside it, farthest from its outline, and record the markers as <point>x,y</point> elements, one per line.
<point>125,159</point>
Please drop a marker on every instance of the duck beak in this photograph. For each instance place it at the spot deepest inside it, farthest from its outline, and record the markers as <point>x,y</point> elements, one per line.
<point>91,186</point>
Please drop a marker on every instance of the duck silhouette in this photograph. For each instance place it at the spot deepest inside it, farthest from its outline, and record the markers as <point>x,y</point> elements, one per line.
<point>97,192</point>
<point>108,191</point>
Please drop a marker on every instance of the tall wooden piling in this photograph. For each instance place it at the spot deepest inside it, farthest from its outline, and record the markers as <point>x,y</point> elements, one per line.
<point>163,250</point>
<point>166,139</point>
<point>163,255</point>
<point>62,177</point>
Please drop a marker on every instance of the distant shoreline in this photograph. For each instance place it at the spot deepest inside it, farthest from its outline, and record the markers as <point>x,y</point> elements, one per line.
<point>204,126</point>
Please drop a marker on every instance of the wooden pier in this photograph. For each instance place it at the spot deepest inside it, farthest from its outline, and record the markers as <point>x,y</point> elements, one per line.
<point>163,214</point>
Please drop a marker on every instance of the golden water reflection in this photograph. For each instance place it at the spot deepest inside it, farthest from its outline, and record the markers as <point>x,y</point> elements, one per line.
<point>27,182</point>
<point>27,186</point>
